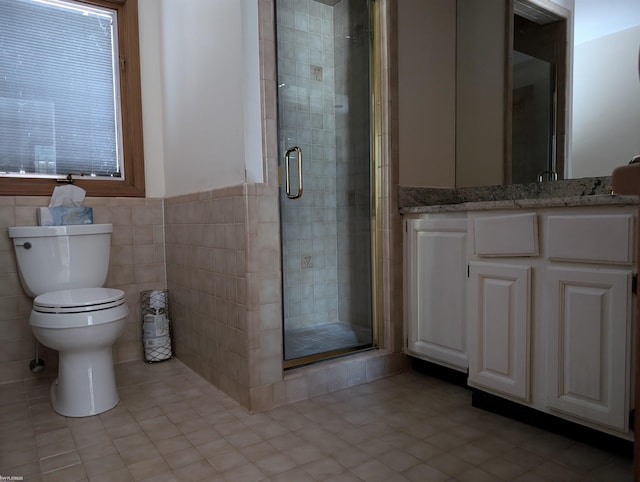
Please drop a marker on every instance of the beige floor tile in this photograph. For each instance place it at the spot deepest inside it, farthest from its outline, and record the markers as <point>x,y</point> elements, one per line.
<point>136,448</point>
<point>159,428</point>
<point>375,471</point>
<point>375,447</point>
<point>445,441</point>
<point>558,473</point>
<point>259,451</point>
<point>96,451</point>
<point>13,458</point>
<point>268,429</point>
<point>200,470</point>
<point>245,473</point>
<point>399,460</point>
<point>214,448</point>
<point>58,462</point>
<point>502,468</point>
<point>472,454</point>
<point>85,439</point>
<point>118,475</point>
<point>151,467</point>
<point>351,457</point>
<point>203,436</point>
<point>523,458</point>
<point>449,464</point>
<point>144,412</point>
<point>243,438</point>
<point>323,468</point>
<point>424,451</point>
<point>293,475</point>
<point>275,464</point>
<point>546,445</point>
<point>28,471</point>
<point>620,472</point>
<point>305,453</point>
<point>56,448</point>
<point>56,435</point>
<point>228,461</point>
<point>71,473</point>
<point>172,444</point>
<point>180,458</point>
<point>423,472</point>
<point>171,425</point>
<point>581,457</point>
<point>286,441</point>
<point>475,474</point>
<point>102,465</point>
<point>532,477</point>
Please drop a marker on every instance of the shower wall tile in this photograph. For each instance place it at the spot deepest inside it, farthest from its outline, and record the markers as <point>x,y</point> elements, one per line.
<point>136,264</point>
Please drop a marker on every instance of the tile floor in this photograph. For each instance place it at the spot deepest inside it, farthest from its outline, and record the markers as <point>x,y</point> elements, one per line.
<point>171,425</point>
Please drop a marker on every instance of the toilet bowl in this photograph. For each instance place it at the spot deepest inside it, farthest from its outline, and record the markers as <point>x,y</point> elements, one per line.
<point>64,268</point>
<point>82,324</point>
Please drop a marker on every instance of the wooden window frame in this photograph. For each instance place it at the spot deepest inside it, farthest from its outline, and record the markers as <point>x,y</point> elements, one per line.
<point>131,107</point>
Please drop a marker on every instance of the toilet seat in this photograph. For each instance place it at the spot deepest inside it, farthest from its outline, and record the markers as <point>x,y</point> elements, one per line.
<point>79,300</point>
<point>78,307</point>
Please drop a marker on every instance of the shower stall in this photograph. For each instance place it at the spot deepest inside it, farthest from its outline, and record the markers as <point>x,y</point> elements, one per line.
<point>324,51</point>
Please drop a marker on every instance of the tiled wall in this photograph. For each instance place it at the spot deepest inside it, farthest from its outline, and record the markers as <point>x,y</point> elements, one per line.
<point>207,280</point>
<point>136,264</point>
<point>223,270</point>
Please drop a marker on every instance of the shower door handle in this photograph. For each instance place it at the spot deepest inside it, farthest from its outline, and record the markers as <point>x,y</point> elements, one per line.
<point>287,172</point>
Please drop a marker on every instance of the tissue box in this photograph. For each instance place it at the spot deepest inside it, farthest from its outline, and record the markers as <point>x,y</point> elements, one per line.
<point>60,216</point>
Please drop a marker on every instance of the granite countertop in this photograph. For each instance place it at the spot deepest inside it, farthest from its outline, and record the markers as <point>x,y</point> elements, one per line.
<point>591,191</point>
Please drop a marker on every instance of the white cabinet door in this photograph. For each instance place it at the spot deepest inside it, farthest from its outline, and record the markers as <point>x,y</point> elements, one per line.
<point>435,267</point>
<point>499,332</point>
<point>588,328</point>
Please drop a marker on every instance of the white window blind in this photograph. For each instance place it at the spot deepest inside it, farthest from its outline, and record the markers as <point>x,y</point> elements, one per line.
<point>59,95</point>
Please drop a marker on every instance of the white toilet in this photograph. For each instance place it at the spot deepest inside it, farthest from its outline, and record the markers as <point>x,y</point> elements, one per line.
<point>65,267</point>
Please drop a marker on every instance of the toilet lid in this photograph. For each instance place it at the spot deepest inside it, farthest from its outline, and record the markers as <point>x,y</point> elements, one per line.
<point>78,300</point>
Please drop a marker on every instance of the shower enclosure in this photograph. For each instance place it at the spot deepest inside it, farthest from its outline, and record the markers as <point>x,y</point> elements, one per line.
<point>324,128</point>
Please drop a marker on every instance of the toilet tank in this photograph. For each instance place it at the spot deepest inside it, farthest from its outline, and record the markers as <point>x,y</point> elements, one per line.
<point>54,258</point>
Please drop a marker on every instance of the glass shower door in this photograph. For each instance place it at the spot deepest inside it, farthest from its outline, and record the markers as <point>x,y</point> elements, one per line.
<point>323,52</point>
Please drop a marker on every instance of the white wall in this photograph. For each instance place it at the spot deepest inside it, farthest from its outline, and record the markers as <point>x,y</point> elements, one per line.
<point>606,123</point>
<point>152,104</point>
<point>201,94</point>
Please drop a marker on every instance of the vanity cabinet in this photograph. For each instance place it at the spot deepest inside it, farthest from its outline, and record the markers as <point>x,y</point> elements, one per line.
<point>499,331</point>
<point>535,304</point>
<point>588,339</point>
<point>499,302</point>
<point>550,311</point>
<point>588,318</point>
<point>435,270</point>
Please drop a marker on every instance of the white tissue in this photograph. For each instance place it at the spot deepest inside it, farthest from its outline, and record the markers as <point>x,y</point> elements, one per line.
<point>66,207</point>
<point>67,196</point>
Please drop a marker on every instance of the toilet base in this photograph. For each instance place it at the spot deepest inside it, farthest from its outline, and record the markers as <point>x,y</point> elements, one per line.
<point>86,383</point>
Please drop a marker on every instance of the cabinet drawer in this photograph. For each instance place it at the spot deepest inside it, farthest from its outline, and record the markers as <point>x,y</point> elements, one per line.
<point>506,235</point>
<point>592,239</point>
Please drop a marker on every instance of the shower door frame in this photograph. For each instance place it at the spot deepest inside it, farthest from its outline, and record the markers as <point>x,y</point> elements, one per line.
<point>375,264</point>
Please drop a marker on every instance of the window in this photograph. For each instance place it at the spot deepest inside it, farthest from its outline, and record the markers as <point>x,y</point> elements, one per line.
<point>70,97</point>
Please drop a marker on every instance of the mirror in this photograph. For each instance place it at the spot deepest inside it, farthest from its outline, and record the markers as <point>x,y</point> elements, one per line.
<point>577,116</point>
